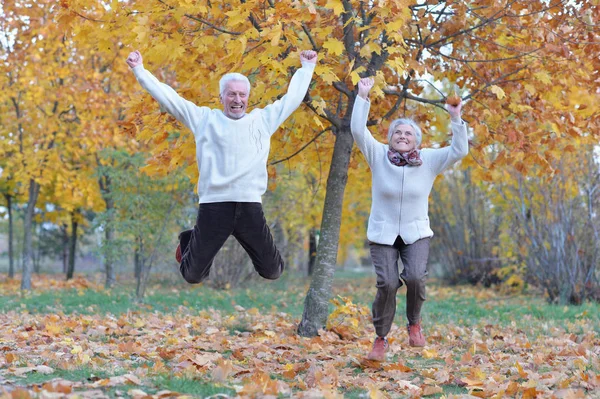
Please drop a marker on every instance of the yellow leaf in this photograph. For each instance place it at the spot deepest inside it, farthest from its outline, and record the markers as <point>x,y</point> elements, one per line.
<point>355,77</point>
<point>276,35</point>
<point>53,328</point>
<point>336,6</point>
<point>317,120</point>
<point>498,92</point>
<point>543,77</point>
<point>430,353</point>
<point>530,88</point>
<point>142,33</point>
<point>334,46</point>
<point>522,372</point>
<point>375,393</point>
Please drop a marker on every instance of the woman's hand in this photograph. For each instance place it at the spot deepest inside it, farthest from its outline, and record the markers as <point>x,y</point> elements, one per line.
<point>455,112</point>
<point>309,56</point>
<point>134,59</point>
<point>364,87</point>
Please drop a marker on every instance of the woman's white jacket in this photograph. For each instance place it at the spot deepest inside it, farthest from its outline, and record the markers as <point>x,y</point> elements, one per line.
<point>400,193</point>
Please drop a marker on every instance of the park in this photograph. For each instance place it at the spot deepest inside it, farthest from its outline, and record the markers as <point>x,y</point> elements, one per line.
<point>254,199</point>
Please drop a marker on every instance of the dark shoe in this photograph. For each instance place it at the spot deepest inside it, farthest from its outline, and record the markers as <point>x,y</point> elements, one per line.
<point>184,238</point>
<point>380,347</point>
<point>415,335</point>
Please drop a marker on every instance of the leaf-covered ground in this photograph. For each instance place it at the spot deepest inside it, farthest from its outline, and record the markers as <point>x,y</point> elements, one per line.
<point>480,343</point>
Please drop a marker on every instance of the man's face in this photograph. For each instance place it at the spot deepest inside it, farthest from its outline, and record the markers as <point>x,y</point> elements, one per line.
<point>234,99</point>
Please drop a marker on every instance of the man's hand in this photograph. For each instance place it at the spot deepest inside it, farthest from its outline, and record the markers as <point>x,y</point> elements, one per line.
<point>454,111</point>
<point>364,87</point>
<point>309,56</point>
<point>134,59</point>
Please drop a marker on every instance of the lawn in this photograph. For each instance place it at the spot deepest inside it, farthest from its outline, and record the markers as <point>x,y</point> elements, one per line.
<point>71,338</point>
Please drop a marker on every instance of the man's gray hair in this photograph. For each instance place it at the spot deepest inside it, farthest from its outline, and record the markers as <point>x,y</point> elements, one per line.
<point>233,76</point>
<point>405,121</point>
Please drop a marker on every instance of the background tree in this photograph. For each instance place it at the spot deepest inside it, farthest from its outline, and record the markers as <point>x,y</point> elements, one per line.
<point>145,210</point>
<point>556,229</point>
<point>467,229</point>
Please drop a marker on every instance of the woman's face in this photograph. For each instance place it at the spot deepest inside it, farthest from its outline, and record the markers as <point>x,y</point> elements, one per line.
<point>403,139</point>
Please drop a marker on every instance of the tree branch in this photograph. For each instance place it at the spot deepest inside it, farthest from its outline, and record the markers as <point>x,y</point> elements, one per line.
<point>333,119</point>
<point>341,87</point>
<point>222,30</point>
<point>477,61</point>
<point>310,38</point>
<point>301,148</point>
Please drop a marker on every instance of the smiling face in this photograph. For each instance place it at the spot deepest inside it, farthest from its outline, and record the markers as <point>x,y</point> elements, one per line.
<point>404,139</point>
<point>235,99</point>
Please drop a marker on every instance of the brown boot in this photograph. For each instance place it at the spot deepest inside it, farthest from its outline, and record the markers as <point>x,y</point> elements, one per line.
<point>380,347</point>
<point>178,253</point>
<point>415,335</point>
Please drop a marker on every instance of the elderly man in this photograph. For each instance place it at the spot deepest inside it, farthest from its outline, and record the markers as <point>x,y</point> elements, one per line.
<point>232,147</point>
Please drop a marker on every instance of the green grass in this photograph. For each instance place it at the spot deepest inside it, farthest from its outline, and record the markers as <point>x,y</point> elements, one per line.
<point>451,390</point>
<point>287,295</point>
<point>77,374</point>
<point>355,394</point>
<point>190,386</point>
<point>157,383</point>
<point>519,309</point>
<point>275,296</point>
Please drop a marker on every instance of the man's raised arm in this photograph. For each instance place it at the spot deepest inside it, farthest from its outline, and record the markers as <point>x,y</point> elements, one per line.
<point>183,110</point>
<point>275,114</point>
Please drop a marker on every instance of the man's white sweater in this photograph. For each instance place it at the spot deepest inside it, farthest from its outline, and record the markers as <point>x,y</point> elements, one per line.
<point>231,154</point>
<point>400,193</point>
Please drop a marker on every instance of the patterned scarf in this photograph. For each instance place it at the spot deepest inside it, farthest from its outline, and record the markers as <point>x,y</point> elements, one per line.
<point>410,158</point>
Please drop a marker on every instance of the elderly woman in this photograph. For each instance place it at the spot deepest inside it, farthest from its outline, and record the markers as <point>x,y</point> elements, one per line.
<point>403,176</point>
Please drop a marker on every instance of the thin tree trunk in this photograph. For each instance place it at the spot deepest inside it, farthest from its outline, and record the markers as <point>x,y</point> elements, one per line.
<point>65,248</point>
<point>11,255</point>
<point>72,247</point>
<point>34,191</point>
<point>111,276</point>
<point>316,304</point>
<point>137,256</point>
<point>109,255</point>
<point>312,250</point>
<point>37,249</point>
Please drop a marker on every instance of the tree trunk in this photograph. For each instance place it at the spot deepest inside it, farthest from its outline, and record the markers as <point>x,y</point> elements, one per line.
<point>109,256</point>
<point>11,255</point>
<point>65,248</point>
<point>34,191</point>
<point>140,289</point>
<point>111,277</point>
<point>316,304</point>
<point>37,249</point>
<point>137,267</point>
<point>312,250</point>
<point>72,247</point>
